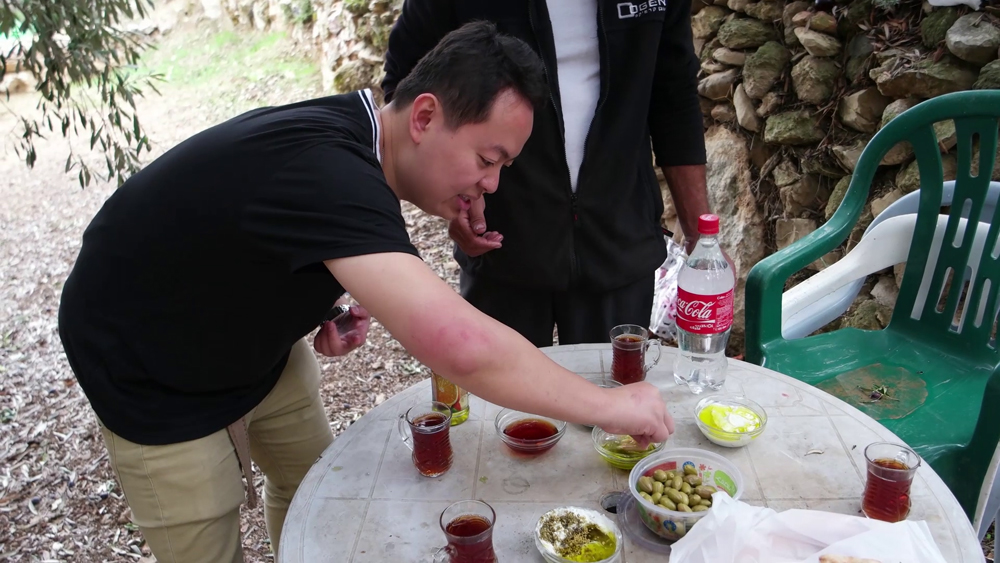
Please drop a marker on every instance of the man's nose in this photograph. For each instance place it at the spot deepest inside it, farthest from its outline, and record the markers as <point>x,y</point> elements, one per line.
<point>490,182</point>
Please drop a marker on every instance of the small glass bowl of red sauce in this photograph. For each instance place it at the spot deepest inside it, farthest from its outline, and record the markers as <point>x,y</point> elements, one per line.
<point>527,433</point>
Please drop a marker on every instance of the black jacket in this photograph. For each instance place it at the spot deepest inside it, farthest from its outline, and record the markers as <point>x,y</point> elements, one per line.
<point>607,234</point>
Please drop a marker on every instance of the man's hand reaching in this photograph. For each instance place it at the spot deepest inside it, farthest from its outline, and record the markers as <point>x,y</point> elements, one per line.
<point>469,231</point>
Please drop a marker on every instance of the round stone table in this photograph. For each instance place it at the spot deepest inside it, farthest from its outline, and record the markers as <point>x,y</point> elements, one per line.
<point>364,501</point>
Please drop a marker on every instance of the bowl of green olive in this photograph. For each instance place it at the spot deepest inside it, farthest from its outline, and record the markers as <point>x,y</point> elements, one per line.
<point>673,488</point>
<point>621,451</point>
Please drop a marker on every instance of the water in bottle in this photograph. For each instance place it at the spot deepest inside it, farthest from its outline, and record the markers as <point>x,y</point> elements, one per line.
<point>704,312</point>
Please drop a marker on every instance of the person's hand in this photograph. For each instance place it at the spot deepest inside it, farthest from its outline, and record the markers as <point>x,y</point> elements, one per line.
<point>329,342</point>
<point>469,231</point>
<point>639,411</point>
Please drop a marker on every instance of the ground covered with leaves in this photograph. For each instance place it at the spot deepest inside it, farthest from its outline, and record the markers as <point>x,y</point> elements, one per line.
<point>58,497</point>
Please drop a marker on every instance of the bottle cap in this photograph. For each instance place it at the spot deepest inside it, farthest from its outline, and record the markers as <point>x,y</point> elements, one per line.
<point>708,224</point>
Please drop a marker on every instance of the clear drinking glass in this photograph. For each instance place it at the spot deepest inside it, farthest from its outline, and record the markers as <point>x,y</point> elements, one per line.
<point>629,344</point>
<point>428,437</point>
<point>891,468</point>
<point>468,527</point>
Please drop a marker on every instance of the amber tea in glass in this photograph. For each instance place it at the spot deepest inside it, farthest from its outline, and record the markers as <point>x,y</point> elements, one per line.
<point>429,424</point>
<point>468,527</point>
<point>628,361</point>
<point>890,473</point>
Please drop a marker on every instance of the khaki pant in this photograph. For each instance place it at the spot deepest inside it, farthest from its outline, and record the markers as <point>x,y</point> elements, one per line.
<point>186,497</point>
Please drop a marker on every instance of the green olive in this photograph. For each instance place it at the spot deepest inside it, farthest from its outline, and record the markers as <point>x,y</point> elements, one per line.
<point>686,489</point>
<point>646,496</point>
<point>681,529</point>
<point>695,499</point>
<point>657,487</point>
<point>690,470</point>
<point>667,503</point>
<point>655,497</point>
<point>692,480</point>
<point>645,484</point>
<point>674,495</point>
<point>677,482</point>
<point>706,503</point>
<point>699,508</point>
<point>671,475</point>
<point>660,475</point>
<point>705,491</point>
<point>685,499</point>
<point>681,507</point>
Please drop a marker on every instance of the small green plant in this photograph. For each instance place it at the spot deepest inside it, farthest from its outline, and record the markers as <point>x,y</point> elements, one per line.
<point>887,5</point>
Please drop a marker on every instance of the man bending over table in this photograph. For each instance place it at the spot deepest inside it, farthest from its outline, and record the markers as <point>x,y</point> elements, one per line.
<point>185,316</point>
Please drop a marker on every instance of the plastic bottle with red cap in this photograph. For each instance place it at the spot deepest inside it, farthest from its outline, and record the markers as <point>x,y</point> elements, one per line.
<point>704,312</point>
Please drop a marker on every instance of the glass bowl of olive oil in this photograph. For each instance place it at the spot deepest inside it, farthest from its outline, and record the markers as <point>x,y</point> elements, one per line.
<point>621,451</point>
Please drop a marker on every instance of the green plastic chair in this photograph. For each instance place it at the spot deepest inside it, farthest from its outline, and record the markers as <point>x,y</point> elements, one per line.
<point>925,375</point>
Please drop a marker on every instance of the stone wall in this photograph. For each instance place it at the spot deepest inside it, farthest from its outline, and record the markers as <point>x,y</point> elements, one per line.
<point>804,89</point>
<point>790,95</point>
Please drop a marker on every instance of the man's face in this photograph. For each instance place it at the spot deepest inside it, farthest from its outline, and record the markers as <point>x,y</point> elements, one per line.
<point>453,167</point>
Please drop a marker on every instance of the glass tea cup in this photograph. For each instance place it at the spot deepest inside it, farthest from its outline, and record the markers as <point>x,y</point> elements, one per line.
<point>428,437</point>
<point>891,468</point>
<point>468,527</point>
<point>629,344</point>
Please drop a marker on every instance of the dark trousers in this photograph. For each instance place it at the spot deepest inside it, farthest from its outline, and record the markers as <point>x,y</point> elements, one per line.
<point>581,316</point>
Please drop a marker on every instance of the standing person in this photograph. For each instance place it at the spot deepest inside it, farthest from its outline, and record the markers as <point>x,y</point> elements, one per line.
<point>185,315</point>
<point>573,239</point>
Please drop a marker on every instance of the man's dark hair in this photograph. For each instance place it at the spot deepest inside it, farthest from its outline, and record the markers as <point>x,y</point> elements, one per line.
<point>469,68</point>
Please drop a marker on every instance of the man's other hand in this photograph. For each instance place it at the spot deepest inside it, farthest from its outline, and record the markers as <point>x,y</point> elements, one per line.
<point>329,342</point>
<point>468,230</point>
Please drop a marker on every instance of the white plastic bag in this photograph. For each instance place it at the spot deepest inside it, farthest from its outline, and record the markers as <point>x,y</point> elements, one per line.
<point>974,4</point>
<point>662,320</point>
<point>736,532</point>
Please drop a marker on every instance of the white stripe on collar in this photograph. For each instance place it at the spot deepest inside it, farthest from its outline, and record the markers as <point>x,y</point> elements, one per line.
<point>369,101</point>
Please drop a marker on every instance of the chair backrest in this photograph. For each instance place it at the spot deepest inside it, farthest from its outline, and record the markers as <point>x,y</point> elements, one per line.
<point>948,296</point>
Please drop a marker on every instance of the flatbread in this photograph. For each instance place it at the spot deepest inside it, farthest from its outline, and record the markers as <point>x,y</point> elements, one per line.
<point>845,559</point>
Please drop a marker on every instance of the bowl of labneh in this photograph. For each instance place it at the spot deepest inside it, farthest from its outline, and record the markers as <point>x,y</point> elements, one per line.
<point>731,421</point>
<point>580,535</point>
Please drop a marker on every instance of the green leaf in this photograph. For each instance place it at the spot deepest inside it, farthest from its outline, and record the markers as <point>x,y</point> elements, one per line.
<point>96,69</point>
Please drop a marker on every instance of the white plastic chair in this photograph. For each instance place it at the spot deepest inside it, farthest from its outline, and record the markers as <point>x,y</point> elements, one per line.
<point>812,305</point>
<point>988,507</point>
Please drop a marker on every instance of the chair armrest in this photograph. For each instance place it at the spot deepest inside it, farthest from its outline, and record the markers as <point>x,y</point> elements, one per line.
<point>767,278</point>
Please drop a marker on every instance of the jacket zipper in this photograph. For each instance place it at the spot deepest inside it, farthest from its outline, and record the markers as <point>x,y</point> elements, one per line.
<point>601,97</point>
<point>562,136</point>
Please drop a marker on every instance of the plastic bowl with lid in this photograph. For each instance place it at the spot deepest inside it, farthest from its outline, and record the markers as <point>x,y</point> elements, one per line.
<point>620,450</point>
<point>731,421</point>
<point>528,433</point>
<point>713,469</point>
<point>550,553</point>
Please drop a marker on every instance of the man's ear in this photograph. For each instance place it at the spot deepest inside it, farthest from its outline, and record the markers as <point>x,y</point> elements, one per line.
<point>424,112</point>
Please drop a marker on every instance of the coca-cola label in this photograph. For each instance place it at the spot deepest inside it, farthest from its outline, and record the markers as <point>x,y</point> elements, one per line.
<point>704,314</point>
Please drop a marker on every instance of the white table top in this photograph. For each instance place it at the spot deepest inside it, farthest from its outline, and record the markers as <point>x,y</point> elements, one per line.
<point>364,501</point>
